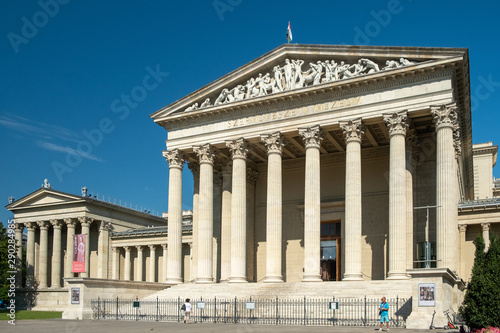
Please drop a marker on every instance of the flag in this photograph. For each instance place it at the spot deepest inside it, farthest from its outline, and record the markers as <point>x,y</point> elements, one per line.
<point>79,245</point>
<point>289,33</point>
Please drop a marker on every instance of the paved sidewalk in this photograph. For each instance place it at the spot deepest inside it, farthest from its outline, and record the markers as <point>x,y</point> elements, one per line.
<point>112,326</point>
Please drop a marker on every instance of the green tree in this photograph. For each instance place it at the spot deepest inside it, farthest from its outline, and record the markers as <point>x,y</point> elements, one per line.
<point>481,306</point>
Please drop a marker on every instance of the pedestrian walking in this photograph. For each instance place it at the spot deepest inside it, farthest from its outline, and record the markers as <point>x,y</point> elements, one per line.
<point>384,314</point>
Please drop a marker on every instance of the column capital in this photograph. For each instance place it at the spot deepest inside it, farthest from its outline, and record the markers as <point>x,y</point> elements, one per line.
<point>353,130</point>
<point>126,248</point>
<point>19,226</point>
<point>105,226</point>
<point>444,115</point>
<point>238,148</point>
<point>56,224</point>
<point>70,222</point>
<point>152,247</point>
<point>194,167</point>
<point>175,158</point>
<point>462,227</point>
<point>85,221</point>
<point>485,226</point>
<point>164,246</point>
<point>312,136</point>
<point>206,153</point>
<point>139,248</point>
<point>31,225</point>
<point>274,142</point>
<point>396,122</point>
<point>252,176</point>
<point>43,225</point>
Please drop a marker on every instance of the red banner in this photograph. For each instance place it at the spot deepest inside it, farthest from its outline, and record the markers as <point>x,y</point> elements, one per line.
<point>79,253</point>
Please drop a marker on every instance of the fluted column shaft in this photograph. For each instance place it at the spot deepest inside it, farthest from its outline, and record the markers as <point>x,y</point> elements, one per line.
<point>238,150</point>
<point>56,254</point>
<point>353,132</point>
<point>226,223</point>
<point>411,154</point>
<point>164,261</point>
<point>115,273</point>
<point>175,161</point>
<point>251,180</point>
<point>127,263</point>
<point>312,204</point>
<point>152,263</point>
<point>206,155</point>
<point>445,118</point>
<point>30,255</point>
<point>485,227</point>
<point>462,233</point>
<point>274,143</point>
<point>195,169</point>
<point>44,244</point>
<point>85,223</point>
<point>140,261</point>
<point>19,253</point>
<point>397,126</point>
<point>70,250</point>
<point>103,244</point>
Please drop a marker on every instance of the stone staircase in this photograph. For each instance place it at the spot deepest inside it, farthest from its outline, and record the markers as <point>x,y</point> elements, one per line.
<point>340,289</point>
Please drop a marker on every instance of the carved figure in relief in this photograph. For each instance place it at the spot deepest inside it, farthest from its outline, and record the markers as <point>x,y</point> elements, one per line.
<point>205,103</point>
<point>288,69</point>
<point>334,70</point>
<point>298,80</point>
<point>238,92</point>
<point>328,72</point>
<point>391,64</point>
<point>370,66</point>
<point>406,62</point>
<point>222,97</point>
<point>278,76</point>
<point>192,107</point>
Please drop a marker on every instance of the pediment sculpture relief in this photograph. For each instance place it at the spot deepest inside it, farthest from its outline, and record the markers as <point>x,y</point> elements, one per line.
<point>291,76</point>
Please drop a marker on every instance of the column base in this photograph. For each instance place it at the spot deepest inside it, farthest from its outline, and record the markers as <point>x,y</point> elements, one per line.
<point>397,276</point>
<point>273,279</point>
<point>55,287</point>
<point>352,277</point>
<point>238,280</point>
<point>174,280</point>
<point>204,280</point>
<point>43,286</point>
<point>312,278</point>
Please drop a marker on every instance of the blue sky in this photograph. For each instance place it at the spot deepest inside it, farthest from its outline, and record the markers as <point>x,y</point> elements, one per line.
<point>69,69</point>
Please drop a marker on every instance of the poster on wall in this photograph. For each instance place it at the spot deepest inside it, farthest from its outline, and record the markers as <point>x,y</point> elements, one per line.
<point>75,295</point>
<point>427,294</point>
<point>79,253</point>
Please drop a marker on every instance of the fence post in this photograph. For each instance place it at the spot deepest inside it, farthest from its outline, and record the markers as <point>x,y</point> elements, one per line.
<point>333,319</point>
<point>397,310</point>
<point>116,307</point>
<point>98,307</point>
<point>137,311</point>
<point>304,310</point>
<point>276,310</point>
<point>365,319</point>
<point>215,309</point>
<point>157,308</point>
<point>235,309</point>
<point>178,308</point>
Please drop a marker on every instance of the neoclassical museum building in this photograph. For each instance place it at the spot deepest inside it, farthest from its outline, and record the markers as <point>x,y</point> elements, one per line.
<point>318,170</point>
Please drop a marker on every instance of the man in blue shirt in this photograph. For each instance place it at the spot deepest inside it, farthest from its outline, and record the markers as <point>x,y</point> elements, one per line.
<point>384,314</point>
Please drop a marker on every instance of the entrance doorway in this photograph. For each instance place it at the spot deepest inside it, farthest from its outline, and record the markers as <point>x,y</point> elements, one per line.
<point>330,250</point>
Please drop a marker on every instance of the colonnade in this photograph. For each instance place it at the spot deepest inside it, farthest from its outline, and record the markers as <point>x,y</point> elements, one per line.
<point>138,270</point>
<point>400,216</point>
<point>38,265</point>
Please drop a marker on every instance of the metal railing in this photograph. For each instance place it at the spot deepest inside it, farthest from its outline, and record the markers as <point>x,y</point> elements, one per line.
<point>267,311</point>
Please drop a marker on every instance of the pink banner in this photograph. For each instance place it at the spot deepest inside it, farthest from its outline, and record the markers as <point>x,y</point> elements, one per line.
<point>79,253</point>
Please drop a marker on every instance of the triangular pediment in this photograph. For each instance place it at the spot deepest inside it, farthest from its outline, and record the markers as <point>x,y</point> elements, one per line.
<point>43,197</point>
<point>292,68</point>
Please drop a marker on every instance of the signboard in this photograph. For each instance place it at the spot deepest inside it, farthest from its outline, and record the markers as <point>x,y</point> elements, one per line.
<point>250,305</point>
<point>79,245</point>
<point>333,305</point>
<point>136,304</point>
<point>75,295</point>
<point>426,294</point>
<point>200,305</point>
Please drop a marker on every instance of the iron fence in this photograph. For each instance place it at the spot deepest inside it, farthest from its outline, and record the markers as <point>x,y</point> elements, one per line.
<point>271,311</point>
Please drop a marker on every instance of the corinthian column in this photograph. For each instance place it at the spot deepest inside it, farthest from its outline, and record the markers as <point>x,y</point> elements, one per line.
<point>70,251</point>
<point>397,125</point>
<point>140,261</point>
<point>353,132</point>
<point>85,223</point>
<point>274,143</point>
<point>126,269</point>
<point>56,254</point>
<point>30,255</point>
<point>152,263</point>
<point>226,222</point>
<point>485,227</point>
<point>445,118</point>
<point>239,151</point>
<point>195,169</point>
<point>44,244</point>
<point>19,255</point>
<point>206,154</point>
<point>411,156</point>
<point>164,262</point>
<point>252,176</point>
<point>175,160</point>
<point>102,268</point>
<point>312,137</point>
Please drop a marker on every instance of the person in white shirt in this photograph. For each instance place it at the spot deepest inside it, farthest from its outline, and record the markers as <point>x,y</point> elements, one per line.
<point>187,311</point>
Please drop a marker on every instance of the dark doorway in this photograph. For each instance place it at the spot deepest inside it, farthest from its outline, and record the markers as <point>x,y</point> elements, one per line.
<point>330,250</point>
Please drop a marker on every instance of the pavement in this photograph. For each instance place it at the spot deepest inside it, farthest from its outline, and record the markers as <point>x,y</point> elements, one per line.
<point>122,326</point>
